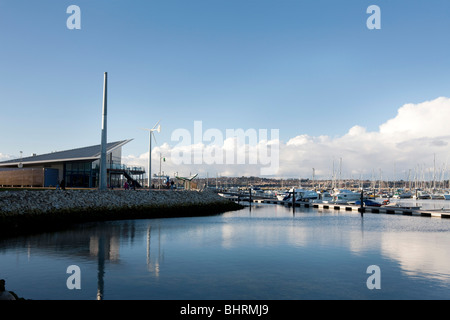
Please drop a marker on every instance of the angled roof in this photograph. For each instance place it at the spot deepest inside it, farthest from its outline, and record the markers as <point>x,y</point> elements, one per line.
<point>86,153</point>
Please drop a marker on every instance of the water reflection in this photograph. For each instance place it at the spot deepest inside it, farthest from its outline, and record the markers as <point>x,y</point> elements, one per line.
<point>418,255</point>
<point>262,252</point>
<point>101,266</point>
<point>425,204</point>
<point>153,266</point>
<point>94,243</point>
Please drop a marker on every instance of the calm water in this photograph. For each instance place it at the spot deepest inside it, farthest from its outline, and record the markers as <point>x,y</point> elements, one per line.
<point>267,252</point>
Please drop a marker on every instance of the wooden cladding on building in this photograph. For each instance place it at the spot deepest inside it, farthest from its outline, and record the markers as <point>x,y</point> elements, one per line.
<point>29,177</point>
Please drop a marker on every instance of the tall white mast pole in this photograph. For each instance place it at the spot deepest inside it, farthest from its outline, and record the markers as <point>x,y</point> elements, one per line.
<point>150,160</point>
<point>103,171</point>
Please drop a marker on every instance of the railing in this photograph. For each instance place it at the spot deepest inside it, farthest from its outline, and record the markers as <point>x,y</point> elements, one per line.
<point>124,167</point>
<point>141,169</point>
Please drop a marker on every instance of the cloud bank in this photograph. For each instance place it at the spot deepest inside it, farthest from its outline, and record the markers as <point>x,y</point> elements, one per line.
<point>5,157</point>
<point>406,144</point>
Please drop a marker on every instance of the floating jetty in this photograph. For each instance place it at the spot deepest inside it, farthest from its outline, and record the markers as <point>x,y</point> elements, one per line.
<point>408,211</point>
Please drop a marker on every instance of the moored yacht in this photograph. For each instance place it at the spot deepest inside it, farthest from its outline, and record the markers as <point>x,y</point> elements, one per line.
<point>308,195</point>
<point>423,195</point>
<point>323,197</point>
<point>347,195</point>
<point>402,195</point>
<point>300,195</point>
<point>281,195</point>
<point>437,196</point>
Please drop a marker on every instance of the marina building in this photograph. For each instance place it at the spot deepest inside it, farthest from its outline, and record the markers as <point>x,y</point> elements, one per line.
<point>79,168</point>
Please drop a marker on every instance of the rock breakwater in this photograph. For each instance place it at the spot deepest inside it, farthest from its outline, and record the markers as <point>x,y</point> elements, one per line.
<point>27,211</point>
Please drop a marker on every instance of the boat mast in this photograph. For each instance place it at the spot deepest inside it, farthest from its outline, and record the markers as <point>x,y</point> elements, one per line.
<point>333,185</point>
<point>434,172</point>
<point>394,179</point>
<point>313,173</point>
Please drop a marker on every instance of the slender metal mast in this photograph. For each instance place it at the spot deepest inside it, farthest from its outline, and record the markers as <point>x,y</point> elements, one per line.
<point>103,171</point>
<point>150,132</point>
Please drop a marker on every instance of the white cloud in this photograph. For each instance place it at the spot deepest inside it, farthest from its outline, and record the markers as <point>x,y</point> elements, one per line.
<point>410,139</point>
<point>5,157</point>
<point>427,119</point>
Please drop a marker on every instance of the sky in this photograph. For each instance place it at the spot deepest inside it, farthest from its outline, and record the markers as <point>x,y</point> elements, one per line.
<point>338,94</point>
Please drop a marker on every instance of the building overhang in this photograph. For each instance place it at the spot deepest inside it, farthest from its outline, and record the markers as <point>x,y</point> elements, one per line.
<point>47,158</point>
<point>28,163</point>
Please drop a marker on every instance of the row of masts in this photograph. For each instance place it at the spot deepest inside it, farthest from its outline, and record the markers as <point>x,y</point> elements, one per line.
<point>417,178</point>
<point>221,182</point>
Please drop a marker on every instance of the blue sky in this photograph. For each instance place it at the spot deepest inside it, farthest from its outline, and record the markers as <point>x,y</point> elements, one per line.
<point>304,67</point>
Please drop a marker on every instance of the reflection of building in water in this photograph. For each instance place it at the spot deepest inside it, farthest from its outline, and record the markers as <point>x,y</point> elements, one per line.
<point>110,247</point>
<point>104,247</point>
<point>98,243</point>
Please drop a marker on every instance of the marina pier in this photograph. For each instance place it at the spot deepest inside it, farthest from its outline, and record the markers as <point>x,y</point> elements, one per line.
<point>388,209</point>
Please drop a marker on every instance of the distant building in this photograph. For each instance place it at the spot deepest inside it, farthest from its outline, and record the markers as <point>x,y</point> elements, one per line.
<point>79,168</point>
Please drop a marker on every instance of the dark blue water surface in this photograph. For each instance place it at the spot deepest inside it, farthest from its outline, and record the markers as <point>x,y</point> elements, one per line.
<point>266,252</point>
